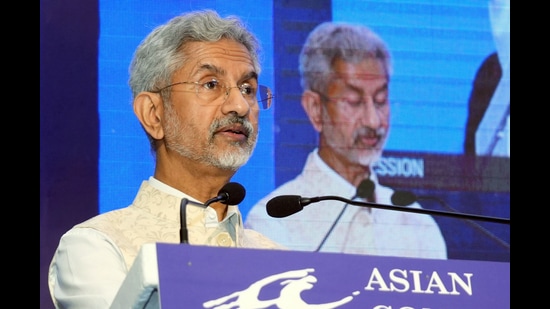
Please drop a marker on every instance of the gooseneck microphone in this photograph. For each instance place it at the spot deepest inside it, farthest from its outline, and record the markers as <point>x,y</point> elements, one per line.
<point>286,205</point>
<point>184,237</point>
<point>364,190</point>
<point>406,198</point>
<point>232,193</point>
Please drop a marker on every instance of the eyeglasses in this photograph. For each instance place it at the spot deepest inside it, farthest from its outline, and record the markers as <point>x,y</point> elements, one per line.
<point>210,93</point>
<point>380,100</point>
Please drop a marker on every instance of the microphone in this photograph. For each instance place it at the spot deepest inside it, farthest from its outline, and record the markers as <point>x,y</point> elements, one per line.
<point>406,198</point>
<point>403,198</point>
<point>364,190</point>
<point>286,205</point>
<point>232,193</point>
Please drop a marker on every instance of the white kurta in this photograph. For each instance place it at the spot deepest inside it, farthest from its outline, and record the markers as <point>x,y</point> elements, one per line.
<point>93,257</point>
<point>360,230</point>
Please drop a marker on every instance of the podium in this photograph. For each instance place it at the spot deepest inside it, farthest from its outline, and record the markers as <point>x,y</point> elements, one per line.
<point>170,276</point>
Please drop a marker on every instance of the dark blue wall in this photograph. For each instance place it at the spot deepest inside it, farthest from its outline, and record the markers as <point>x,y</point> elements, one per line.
<point>69,138</point>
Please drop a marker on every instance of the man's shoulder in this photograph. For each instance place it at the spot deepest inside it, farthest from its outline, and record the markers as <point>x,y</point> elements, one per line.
<point>107,218</point>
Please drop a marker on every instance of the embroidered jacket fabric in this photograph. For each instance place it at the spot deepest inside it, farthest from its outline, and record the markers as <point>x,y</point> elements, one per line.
<point>95,255</point>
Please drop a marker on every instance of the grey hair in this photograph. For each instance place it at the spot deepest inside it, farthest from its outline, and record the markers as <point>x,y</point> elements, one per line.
<point>330,41</point>
<point>161,53</point>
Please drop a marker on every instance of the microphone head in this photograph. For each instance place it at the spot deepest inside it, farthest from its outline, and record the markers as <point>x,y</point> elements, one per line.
<point>366,189</point>
<point>284,206</point>
<point>403,198</point>
<point>234,193</point>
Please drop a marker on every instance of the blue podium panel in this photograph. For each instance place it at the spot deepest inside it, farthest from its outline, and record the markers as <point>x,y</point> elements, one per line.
<point>226,278</point>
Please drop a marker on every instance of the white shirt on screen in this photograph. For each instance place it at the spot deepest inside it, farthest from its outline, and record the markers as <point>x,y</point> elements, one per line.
<point>360,230</point>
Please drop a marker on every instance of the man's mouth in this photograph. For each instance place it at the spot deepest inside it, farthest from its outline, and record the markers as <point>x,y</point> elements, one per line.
<point>234,129</point>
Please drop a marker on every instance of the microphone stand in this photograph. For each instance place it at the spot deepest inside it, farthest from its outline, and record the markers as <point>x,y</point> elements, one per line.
<point>231,193</point>
<point>333,225</point>
<point>472,223</point>
<point>365,189</point>
<point>406,209</point>
<point>184,237</point>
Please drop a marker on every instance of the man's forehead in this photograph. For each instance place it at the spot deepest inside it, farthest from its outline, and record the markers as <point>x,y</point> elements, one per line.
<point>365,69</point>
<point>356,78</point>
<point>219,61</point>
<point>362,76</point>
<point>219,51</point>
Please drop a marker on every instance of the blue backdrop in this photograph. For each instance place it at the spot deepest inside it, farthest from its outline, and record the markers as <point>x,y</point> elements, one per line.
<point>94,155</point>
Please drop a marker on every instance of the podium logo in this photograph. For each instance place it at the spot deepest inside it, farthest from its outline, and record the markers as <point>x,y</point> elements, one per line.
<point>293,283</point>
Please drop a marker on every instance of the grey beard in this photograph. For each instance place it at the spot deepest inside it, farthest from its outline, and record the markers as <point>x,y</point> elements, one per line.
<point>232,159</point>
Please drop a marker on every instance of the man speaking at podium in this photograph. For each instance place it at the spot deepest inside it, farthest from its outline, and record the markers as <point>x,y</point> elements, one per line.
<point>345,73</point>
<point>197,97</point>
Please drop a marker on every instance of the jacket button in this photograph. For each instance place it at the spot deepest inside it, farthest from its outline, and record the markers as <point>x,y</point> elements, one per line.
<point>224,240</point>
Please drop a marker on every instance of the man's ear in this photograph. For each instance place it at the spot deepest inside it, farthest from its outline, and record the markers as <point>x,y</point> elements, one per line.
<point>148,107</point>
<point>311,102</point>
